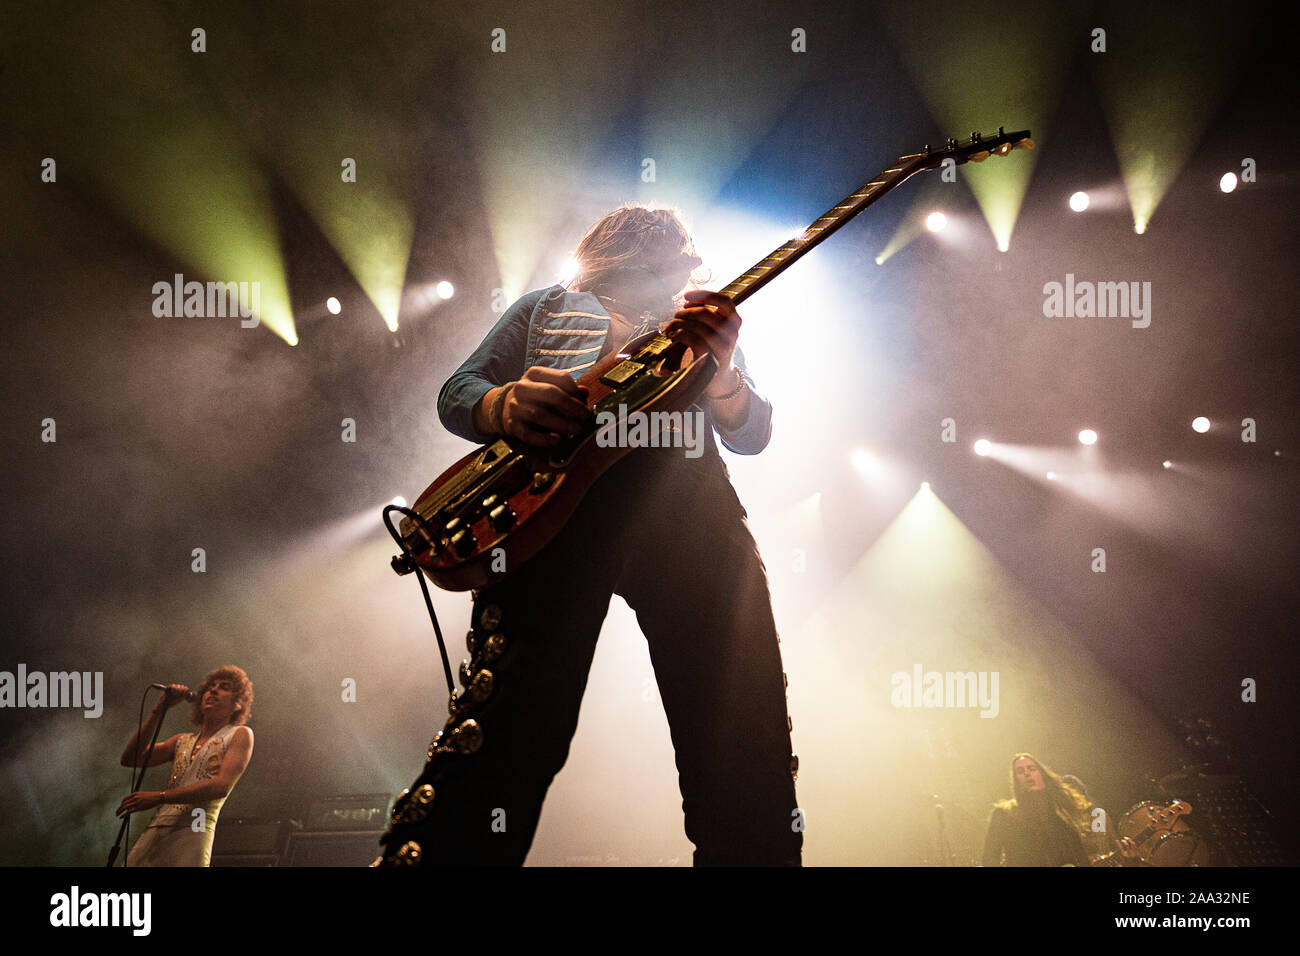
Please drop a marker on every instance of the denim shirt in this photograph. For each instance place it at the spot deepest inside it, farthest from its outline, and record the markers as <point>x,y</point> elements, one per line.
<point>564,330</point>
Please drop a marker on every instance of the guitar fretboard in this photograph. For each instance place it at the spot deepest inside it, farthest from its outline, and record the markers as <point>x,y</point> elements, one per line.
<point>771,265</point>
<point>775,262</point>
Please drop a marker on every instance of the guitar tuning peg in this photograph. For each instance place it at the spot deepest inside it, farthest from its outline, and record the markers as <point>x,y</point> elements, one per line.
<point>975,137</point>
<point>979,157</point>
<point>1024,144</point>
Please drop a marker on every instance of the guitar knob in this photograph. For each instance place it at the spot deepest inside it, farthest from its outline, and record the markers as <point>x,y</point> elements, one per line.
<point>463,543</point>
<point>541,481</point>
<point>502,518</point>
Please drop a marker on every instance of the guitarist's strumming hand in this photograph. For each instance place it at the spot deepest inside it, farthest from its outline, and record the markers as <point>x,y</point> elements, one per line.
<point>539,409</point>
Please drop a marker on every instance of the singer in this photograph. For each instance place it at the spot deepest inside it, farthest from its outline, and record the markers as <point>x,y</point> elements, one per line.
<point>205,767</point>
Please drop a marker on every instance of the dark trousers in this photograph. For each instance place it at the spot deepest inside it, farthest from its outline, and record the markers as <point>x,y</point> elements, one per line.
<point>667,534</point>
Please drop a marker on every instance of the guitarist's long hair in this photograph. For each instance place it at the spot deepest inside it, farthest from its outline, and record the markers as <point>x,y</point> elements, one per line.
<point>1063,800</point>
<point>633,236</point>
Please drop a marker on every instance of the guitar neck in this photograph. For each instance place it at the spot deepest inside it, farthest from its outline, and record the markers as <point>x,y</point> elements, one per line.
<point>780,259</point>
<point>774,263</point>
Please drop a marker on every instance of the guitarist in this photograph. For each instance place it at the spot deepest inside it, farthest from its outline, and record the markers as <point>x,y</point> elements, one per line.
<point>1042,824</point>
<point>663,530</point>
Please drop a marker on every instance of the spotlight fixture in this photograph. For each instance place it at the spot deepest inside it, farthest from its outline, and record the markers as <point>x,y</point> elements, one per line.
<point>1201,424</point>
<point>334,305</point>
<point>1228,182</point>
<point>936,221</point>
<point>1079,201</point>
<point>983,447</point>
<point>1167,464</point>
<point>1087,437</point>
<point>445,289</point>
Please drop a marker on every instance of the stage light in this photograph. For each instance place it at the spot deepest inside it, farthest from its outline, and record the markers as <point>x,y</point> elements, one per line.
<point>880,260</point>
<point>1079,201</point>
<point>1228,182</point>
<point>925,486</point>
<point>569,271</point>
<point>1201,424</point>
<point>334,305</point>
<point>1167,464</point>
<point>445,289</point>
<point>1003,246</point>
<point>983,447</point>
<point>1051,476</point>
<point>1139,226</point>
<point>1087,437</point>
<point>936,221</point>
<point>399,501</point>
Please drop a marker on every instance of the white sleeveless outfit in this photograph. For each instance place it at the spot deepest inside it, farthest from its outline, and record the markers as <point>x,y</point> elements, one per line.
<point>170,838</point>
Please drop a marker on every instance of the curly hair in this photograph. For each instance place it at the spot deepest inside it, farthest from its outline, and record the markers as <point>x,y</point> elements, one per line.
<point>243,694</point>
<point>632,234</point>
<point>1065,801</point>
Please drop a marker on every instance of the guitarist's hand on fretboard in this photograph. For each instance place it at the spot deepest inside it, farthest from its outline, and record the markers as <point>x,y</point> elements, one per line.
<point>709,323</point>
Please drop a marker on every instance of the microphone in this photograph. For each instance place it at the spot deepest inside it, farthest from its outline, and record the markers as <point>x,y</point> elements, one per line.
<point>189,695</point>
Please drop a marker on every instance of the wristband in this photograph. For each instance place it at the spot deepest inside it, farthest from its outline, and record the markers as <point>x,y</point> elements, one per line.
<point>498,409</point>
<point>740,387</point>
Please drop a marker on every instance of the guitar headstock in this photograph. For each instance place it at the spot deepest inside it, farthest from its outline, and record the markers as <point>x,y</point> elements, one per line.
<point>975,150</point>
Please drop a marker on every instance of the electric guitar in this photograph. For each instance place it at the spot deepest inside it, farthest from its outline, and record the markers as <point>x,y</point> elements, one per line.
<point>506,500</point>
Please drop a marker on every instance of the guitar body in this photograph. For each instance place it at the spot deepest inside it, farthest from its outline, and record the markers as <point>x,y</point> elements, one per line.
<point>498,506</point>
<point>1151,825</point>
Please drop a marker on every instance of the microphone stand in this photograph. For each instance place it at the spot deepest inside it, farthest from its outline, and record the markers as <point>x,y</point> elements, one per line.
<point>136,779</point>
<point>945,848</point>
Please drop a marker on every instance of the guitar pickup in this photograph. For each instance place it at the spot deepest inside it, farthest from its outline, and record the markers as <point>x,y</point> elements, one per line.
<point>621,372</point>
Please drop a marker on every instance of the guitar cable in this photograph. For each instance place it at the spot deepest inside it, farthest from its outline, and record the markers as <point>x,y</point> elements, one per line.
<point>409,559</point>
